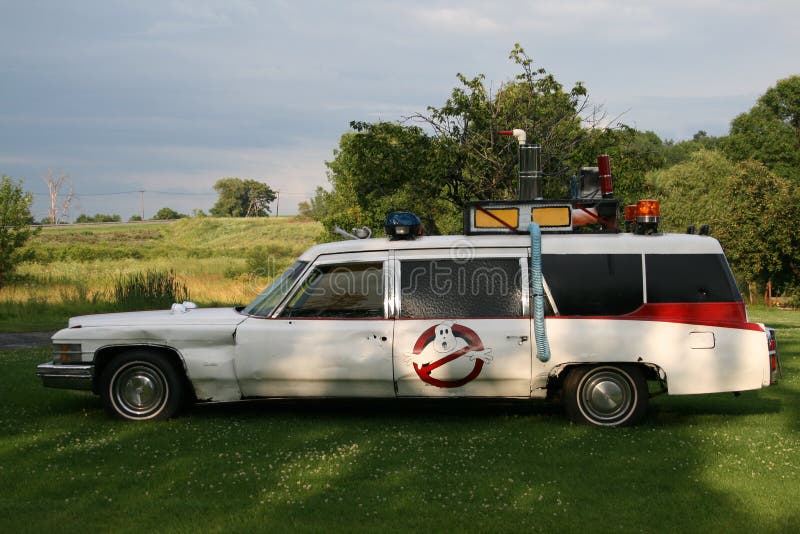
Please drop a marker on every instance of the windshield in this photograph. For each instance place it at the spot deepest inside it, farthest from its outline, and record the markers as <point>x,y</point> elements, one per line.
<point>269,298</point>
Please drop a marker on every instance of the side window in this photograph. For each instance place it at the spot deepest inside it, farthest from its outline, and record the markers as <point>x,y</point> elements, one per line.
<point>483,287</point>
<point>353,290</point>
<point>689,278</point>
<point>594,284</point>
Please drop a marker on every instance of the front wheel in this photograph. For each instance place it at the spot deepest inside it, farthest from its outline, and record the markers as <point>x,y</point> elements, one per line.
<point>606,395</point>
<point>139,385</point>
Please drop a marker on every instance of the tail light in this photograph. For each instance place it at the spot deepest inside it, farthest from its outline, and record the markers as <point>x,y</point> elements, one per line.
<point>775,370</point>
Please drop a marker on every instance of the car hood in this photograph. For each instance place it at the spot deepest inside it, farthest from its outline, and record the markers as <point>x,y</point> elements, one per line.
<point>162,318</point>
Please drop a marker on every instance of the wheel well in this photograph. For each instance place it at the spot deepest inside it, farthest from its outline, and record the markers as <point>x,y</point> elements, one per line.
<point>105,355</point>
<point>556,381</point>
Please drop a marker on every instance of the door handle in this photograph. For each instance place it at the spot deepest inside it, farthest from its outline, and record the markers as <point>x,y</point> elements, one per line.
<point>522,339</point>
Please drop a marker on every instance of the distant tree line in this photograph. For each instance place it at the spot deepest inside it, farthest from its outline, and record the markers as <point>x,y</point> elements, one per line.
<point>237,198</point>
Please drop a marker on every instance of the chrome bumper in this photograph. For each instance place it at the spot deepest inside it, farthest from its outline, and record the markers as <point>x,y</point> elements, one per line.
<point>66,376</point>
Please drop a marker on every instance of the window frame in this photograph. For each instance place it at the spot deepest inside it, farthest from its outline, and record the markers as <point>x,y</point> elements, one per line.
<point>720,261</point>
<point>380,257</point>
<point>642,288</point>
<point>397,257</point>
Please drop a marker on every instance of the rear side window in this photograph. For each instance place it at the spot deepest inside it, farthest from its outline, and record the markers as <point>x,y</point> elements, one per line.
<point>594,284</point>
<point>689,278</point>
<point>482,287</point>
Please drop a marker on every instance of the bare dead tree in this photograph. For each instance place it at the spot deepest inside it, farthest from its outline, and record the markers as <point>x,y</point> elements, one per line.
<point>60,201</point>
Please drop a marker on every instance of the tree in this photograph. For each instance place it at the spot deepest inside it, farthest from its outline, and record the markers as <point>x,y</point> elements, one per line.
<point>166,214</point>
<point>379,168</point>
<point>748,207</point>
<point>15,230</point>
<point>242,198</point>
<point>755,225</point>
<point>633,154</point>
<point>97,218</point>
<point>60,202</point>
<point>690,192</point>
<point>770,131</point>
<point>383,166</point>
<point>135,218</point>
<point>475,162</point>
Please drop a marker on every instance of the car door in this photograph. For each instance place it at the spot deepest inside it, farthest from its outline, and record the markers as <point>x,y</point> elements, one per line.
<point>331,337</point>
<point>463,326</point>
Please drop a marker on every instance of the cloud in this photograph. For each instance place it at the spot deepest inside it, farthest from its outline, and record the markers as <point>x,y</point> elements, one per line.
<point>178,93</point>
<point>462,20</point>
<point>183,177</point>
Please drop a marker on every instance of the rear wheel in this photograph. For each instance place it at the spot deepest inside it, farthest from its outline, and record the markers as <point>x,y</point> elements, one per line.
<point>139,385</point>
<point>606,395</point>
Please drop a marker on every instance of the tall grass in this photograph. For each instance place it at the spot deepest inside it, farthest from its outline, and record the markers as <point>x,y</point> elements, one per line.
<point>149,290</point>
<point>77,270</point>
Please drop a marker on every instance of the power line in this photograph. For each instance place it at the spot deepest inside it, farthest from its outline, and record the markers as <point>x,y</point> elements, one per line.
<point>177,193</point>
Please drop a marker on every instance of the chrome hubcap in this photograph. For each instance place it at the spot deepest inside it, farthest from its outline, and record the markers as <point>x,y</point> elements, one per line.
<point>139,389</point>
<point>607,396</point>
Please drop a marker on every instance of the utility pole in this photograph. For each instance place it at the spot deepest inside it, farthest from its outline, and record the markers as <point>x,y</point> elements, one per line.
<point>141,203</point>
<point>277,203</point>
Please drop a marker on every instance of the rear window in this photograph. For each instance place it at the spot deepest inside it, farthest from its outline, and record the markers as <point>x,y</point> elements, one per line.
<point>594,284</point>
<point>690,278</point>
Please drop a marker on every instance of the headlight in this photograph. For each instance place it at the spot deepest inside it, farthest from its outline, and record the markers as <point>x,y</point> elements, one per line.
<point>67,353</point>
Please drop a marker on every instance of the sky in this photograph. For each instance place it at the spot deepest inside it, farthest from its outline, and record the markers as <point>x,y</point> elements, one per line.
<point>169,96</point>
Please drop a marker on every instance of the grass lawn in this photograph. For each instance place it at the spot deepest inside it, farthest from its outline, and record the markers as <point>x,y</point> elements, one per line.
<point>713,463</point>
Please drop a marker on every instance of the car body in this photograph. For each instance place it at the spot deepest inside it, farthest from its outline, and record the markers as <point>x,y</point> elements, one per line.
<point>445,316</point>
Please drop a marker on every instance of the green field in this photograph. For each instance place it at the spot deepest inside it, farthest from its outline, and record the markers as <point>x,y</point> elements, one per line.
<point>713,463</point>
<point>222,262</point>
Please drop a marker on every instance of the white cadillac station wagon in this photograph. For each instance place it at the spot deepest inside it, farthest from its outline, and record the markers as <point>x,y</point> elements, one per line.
<point>501,312</point>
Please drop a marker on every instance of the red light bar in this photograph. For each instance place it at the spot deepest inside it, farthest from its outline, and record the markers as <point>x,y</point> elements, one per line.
<point>606,182</point>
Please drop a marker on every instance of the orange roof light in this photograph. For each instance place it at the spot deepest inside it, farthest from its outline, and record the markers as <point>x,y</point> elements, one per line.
<point>646,209</point>
<point>630,212</point>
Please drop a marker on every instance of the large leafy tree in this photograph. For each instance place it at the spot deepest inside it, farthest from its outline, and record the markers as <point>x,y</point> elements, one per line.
<point>242,198</point>
<point>770,131</point>
<point>460,157</point>
<point>474,162</point>
<point>691,192</point>
<point>15,220</point>
<point>382,167</point>
<point>755,224</point>
<point>748,207</point>
<point>633,154</point>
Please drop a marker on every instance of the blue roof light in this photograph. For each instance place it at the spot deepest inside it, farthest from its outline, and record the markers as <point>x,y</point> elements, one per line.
<point>402,225</point>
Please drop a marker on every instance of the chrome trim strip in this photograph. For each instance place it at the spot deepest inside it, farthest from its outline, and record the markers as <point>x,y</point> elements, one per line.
<point>526,290</point>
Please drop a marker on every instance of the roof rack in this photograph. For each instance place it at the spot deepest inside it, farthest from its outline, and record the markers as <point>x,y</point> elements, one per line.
<point>495,217</point>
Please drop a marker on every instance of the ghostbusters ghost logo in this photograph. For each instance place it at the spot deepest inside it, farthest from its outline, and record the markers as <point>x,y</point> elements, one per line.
<point>443,353</point>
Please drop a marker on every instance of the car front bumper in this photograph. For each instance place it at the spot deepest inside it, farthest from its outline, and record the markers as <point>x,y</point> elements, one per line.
<point>66,376</point>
